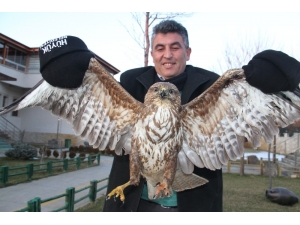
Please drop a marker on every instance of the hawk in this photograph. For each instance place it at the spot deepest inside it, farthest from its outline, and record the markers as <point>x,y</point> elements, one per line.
<point>165,139</point>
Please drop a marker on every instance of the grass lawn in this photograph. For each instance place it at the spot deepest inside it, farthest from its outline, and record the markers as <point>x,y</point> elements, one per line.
<point>241,194</point>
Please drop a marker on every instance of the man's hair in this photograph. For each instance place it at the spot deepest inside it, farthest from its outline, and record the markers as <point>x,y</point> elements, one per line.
<point>170,26</point>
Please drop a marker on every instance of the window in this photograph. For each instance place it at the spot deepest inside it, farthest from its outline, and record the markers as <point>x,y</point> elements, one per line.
<point>4,101</point>
<point>14,113</point>
<point>15,58</point>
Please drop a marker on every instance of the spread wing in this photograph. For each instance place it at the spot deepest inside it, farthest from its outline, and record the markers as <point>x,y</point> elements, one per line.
<point>100,110</point>
<point>216,123</point>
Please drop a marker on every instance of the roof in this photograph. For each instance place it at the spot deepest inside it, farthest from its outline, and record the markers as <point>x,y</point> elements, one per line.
<point>20,46</point>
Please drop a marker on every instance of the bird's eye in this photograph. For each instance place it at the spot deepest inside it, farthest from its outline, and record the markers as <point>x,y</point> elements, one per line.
<point>155,89</point>
<point>171,91</point>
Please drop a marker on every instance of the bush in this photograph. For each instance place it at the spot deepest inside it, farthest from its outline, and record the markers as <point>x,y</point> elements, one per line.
<point>96,150</point>
<point>82,154</point>
<point>81,148</point>
<point>55,153</point>
<point>75,149</point>
<point>72,154</point>
<point>48,152</point>
<point>89,149</point>
<point>21,151</point>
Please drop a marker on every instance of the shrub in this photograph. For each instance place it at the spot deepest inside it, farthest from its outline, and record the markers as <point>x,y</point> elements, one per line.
<point>55,153</point>
<point>72,154</point>
<point>81,148</point>
<point>48,152</point>
<point>82,154</point>
<point>75,148</point>
<point>21,151</point>
<point>89,149</point>
<point>96,150</point>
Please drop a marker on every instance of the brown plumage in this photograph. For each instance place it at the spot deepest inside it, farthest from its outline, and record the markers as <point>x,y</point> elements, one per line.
<point>165,139</point>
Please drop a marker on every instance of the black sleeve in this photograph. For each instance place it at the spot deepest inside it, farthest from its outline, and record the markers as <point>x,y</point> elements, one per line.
<point>273,71</point>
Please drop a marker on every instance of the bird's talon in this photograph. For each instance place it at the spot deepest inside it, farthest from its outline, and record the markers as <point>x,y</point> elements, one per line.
<point>123,203</point>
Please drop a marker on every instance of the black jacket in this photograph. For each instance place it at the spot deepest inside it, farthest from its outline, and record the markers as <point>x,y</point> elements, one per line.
<point>205,198</point>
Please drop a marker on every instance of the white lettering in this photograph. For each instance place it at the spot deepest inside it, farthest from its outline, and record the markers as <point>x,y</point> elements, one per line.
<point>64,42</point>
<point>55,40</point>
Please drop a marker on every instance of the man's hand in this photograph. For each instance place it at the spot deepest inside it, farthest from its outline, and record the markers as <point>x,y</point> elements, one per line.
<point>273,71</point>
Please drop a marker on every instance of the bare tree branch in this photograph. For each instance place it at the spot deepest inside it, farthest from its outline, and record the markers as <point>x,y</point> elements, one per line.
<point>239,52</point>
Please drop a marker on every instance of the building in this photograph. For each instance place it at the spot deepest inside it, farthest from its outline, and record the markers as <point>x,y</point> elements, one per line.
<point>19,72</point>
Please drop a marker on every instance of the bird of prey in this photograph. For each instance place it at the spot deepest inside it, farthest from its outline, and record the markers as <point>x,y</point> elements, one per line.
<point>165,139</point>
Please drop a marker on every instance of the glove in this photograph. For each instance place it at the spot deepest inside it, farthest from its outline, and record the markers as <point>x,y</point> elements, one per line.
<point>64,61</point>
<point>273,71</point>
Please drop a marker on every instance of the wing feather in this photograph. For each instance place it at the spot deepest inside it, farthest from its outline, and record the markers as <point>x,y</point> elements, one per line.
<point>216,123</point>
<point>100,110</point>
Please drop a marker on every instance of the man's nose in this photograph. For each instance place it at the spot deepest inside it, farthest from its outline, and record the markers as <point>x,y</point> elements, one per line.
<point>168,53</point>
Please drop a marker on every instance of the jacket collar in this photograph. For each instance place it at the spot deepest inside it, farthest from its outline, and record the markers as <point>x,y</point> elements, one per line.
<point>194,80</point>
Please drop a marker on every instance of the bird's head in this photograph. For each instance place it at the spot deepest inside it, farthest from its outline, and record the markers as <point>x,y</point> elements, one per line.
<point>163,94</point>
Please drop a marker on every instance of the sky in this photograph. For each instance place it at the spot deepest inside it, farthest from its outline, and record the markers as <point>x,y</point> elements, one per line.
<point>106,32</point>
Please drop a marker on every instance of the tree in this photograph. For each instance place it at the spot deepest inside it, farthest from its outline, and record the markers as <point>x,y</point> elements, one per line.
<point>241,50</point>
<point>143,21</point>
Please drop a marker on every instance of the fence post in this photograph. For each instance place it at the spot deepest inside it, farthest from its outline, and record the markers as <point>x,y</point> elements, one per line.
<point>29,170</point>
<point>65,164</point>
<point>89,160</point>
<point>69,200</point>
<point>261,161</point>
<point>93,190</point>
<point>228,166</point>
<point>279,170</point>
<point>78,161</point>
<point>98,158</point>
<point>262,169</point>
<point>4,172</point>
<point>34,205</point>
<point>49,167</point>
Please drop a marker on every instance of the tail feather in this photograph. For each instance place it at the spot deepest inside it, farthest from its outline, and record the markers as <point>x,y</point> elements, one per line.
<point>184,181</point>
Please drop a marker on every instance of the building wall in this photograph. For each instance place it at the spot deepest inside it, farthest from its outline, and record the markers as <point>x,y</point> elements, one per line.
<point>23,80</point>
<point>40,138</point>
<point>34,64</point>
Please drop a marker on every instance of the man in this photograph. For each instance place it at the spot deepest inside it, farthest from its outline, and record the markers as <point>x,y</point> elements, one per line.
<point>270,71</point>
<point>170,52</point>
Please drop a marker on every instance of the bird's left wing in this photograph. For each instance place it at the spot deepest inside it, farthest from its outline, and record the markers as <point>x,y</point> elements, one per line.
<point>216,123</point>
<point>100,110</point>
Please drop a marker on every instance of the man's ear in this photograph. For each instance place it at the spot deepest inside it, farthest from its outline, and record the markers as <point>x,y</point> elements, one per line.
<point>188,53</point>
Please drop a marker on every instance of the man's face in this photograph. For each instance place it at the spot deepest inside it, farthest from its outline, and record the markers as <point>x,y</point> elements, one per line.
<point>169,54</point>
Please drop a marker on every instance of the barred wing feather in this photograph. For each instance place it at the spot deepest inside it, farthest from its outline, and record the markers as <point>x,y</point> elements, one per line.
<point>100,110</point>
<point>216,123</point>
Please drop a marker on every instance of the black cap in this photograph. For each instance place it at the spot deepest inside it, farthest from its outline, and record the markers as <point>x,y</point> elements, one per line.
<point>64,61</point>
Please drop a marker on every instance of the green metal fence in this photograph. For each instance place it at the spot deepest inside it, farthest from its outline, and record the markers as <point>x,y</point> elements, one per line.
<point>35,204</point>
<point>30,169</point>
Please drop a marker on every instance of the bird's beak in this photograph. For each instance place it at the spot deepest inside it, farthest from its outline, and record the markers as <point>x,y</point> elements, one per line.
<point>163,93</point>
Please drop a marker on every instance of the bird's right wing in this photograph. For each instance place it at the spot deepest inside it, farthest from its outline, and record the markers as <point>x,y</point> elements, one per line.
<point>100,110</point>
